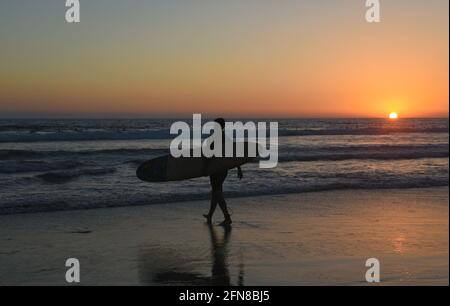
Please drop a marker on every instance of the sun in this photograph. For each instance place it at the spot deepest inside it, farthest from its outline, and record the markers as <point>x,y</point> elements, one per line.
<point>393,116</point>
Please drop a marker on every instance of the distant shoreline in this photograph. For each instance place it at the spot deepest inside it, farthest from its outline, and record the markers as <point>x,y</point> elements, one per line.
<point>438,117</point>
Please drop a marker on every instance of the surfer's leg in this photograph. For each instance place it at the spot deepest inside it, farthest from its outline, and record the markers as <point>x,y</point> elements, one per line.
<point>212,208</point>
<point>224,208</point>
<point>215,187</point>
<point>221,199</point>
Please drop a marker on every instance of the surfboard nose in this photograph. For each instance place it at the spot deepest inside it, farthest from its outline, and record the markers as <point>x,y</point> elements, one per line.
<point>140,172</point>
<point>153,170</point>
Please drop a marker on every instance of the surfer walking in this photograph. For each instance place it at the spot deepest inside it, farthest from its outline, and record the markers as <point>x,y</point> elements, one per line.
<point>217,180</point>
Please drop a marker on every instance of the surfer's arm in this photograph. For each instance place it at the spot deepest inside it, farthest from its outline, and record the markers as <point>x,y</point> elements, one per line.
<point>240,175</point>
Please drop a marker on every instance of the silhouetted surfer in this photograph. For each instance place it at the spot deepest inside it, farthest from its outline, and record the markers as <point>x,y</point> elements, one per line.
<point>217,180</point>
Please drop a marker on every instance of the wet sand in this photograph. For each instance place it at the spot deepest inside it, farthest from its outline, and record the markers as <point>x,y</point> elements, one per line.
<point>321,238</point>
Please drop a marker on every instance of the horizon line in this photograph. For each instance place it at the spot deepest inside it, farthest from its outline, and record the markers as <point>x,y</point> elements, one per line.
<point>109,117</point>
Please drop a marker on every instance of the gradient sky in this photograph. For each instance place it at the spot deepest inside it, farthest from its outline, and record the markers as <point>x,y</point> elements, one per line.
<point>294,58</point>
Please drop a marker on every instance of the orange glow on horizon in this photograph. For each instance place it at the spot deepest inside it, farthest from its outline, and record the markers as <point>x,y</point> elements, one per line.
<point>231,63</point>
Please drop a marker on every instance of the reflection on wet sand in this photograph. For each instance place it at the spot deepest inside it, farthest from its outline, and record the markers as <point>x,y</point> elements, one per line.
<point>174,267</point>
<point>219,273</point>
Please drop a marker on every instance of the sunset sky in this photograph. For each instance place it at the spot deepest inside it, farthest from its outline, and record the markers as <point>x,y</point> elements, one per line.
<point>166,58</point>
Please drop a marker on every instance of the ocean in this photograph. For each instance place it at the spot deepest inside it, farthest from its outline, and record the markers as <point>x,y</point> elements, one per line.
<point>50,165</point>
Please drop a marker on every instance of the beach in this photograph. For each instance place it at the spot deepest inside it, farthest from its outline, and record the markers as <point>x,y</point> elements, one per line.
<point>315,238</point>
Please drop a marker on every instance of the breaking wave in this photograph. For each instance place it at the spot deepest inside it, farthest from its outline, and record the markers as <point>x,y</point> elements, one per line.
<point>66,176</point>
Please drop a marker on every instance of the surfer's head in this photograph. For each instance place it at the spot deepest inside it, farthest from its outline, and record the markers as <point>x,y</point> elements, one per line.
<point>220,121</point>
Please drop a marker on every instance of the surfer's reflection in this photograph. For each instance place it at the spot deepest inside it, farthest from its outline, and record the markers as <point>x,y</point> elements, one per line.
<point>219,254</point>
<point>169,267</point>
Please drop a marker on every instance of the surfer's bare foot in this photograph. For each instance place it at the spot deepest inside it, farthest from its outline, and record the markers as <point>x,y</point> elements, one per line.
<point>227,221</point>
<point>208,219</point>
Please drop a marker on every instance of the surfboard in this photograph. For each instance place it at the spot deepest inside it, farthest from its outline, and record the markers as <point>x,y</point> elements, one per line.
<point>168,168</point>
